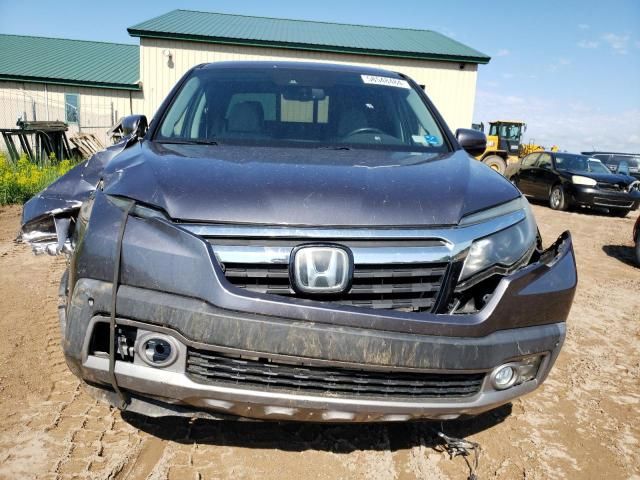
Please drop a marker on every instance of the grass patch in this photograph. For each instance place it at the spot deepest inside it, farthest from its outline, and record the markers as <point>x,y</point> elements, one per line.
<point>22,180</point>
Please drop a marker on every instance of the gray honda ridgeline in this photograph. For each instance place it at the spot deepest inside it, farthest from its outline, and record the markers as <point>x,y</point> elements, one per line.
<point>299,241</point>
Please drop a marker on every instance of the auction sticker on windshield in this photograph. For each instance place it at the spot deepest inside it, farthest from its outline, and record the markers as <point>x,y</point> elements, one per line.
<point>387,81</point>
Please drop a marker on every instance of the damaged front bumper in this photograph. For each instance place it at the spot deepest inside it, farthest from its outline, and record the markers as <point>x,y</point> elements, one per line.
<point>592,196</point>
<point>160,392</point>
<point>524,319</point>
<point>174,391</point>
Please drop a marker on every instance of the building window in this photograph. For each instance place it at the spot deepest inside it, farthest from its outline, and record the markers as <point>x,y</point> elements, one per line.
<point>304,111</point>
<point>71,107</point>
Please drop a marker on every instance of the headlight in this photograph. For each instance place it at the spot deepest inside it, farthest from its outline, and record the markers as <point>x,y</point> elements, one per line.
<point>580,180</point>
<point>506,247</point>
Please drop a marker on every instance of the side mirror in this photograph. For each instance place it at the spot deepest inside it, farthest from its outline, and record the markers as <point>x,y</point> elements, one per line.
<point>472,141</point>
<point>134,125</point>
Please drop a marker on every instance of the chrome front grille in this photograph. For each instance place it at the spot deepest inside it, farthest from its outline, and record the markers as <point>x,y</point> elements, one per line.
<point>389,273</point>
<point>403,268</point>
<point>209,367</point>
<point>610,187</point>
<point>413,286</point>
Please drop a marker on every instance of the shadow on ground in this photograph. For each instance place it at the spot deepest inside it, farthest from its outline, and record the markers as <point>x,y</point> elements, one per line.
<point>621,252</point>
<point>292,436</point>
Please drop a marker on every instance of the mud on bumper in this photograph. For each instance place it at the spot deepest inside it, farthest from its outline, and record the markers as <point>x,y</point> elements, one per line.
<point>159,392</point>
<point>196,325</point>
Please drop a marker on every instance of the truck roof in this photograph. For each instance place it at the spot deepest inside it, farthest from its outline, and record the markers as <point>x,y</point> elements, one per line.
<point>302,66</point>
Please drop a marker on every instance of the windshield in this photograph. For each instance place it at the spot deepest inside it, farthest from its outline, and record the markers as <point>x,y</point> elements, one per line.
<point>579,163</point>
<point>301,107</point>
<point>631,160</point>
<point>508,131</point>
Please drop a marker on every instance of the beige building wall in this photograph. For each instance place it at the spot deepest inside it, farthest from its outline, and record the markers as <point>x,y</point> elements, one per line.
<point>450,88</point>
<point>97,105</point>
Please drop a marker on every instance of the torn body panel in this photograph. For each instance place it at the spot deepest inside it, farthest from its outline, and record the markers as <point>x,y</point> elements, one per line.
<point>48,219</point>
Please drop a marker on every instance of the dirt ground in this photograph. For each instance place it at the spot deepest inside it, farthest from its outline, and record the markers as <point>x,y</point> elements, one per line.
<point>583,423</point>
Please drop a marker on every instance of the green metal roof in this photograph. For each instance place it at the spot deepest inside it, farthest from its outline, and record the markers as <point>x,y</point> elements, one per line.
<point>69,62</point>
<point>306,35</point>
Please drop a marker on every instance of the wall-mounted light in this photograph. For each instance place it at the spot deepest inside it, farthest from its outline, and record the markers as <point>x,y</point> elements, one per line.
<point>166,53</point>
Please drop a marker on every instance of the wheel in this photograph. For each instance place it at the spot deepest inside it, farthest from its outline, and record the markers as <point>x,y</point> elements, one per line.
<point>558,199</point>
<point>495,163</point>
<point>619,212</point>
<point>638,251</point>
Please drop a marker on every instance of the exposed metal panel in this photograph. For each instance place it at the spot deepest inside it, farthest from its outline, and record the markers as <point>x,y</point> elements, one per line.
<point>451,88</point>
<point>306,35</point>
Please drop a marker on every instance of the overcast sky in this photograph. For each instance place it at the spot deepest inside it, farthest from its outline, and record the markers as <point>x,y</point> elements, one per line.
<point>570,69</point>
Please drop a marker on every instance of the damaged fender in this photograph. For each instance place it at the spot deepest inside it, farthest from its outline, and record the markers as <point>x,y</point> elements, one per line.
<point>48,219</point>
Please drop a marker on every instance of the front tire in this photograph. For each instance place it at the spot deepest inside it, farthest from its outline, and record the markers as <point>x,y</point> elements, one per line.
<point>558,199</point>
<point>495,163</point>
<point>638,251</point>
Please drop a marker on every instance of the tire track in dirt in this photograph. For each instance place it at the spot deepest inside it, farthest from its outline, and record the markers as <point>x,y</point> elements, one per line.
<point>143,463</point>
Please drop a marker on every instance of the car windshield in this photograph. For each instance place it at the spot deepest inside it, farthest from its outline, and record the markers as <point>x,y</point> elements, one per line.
<point>302,107</point>
<point>631,160</point>
<point>579,163</point>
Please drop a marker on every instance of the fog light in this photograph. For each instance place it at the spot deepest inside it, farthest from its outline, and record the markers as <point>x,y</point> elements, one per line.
<point>157,351</point>
<point>516,372</point>
<point>504,377</point>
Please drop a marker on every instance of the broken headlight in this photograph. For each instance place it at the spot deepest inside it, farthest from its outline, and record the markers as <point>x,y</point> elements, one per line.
<point>507,248</point>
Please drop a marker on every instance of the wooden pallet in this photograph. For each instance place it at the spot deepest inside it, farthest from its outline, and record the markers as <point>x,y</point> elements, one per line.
<point>86,143</point>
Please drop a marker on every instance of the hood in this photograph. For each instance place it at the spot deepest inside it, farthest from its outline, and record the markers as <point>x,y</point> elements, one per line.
<point>613,178</point>
<point>304,186</point>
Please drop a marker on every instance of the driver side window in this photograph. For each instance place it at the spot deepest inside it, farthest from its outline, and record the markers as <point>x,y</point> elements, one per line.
<point>530,160</point>
<point>544,161</point>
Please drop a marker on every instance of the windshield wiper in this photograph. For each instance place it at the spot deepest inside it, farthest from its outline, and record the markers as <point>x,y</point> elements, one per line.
<point>335,147</point>
<point>190,141</point>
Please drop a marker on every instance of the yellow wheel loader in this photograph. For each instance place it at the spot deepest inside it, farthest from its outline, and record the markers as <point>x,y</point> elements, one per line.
<point>504,144</point>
